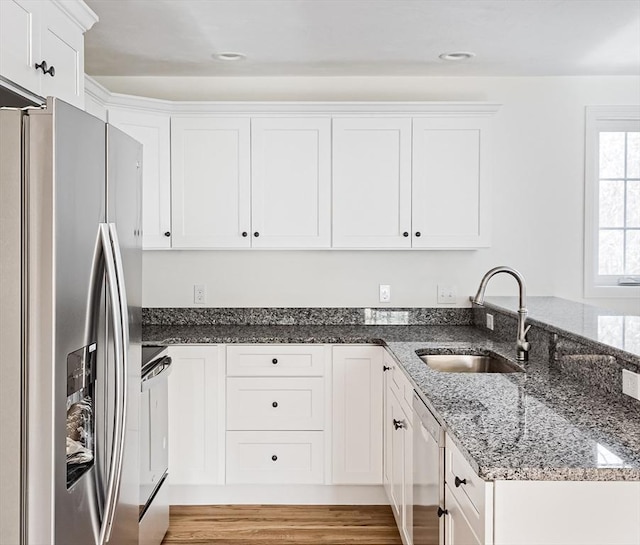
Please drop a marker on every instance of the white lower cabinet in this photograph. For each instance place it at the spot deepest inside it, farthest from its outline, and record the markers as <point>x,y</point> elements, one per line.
<point>196,425</point>
<point>457,529</point>
<point>275,425</point>
<point>398,448</point>
<point>246,419</point>
<point>357,415</point>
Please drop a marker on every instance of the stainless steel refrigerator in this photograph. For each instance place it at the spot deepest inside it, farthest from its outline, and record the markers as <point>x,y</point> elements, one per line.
<point>70,323</point>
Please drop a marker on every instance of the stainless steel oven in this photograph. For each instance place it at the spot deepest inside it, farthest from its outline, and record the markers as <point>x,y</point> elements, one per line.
<point>154,459</point>
<point>428,477</point>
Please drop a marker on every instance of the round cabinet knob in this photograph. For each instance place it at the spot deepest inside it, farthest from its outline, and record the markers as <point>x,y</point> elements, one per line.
<point>442,511</point>
<point>398,424</point>
<point>274,404</point>
<point>167,233</point>
<point>274,361</point>
<point>244,233</point>
<point>385,368</point>
<point>418,233</point>
<point>256,234</point>
<point>457,481</point>
<point>405,234</point>
<point>274,457</point>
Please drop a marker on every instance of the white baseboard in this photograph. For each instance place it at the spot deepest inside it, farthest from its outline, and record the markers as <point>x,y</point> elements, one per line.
<point>277,494</point>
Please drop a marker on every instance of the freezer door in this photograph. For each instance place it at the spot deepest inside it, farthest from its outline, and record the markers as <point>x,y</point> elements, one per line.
<point>65,203</point>
<point>124,210</point>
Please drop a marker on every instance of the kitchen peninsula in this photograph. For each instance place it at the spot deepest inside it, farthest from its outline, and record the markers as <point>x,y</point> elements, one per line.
<point>560,431</point>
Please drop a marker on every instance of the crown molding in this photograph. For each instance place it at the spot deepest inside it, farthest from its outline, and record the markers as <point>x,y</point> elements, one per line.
<point>310,109</point>
<point>81,14</point>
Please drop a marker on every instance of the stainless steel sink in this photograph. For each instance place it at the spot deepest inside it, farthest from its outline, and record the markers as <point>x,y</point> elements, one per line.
<point>462,363</point>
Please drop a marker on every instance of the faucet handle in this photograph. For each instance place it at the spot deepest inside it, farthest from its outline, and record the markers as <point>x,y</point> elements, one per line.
<point>526,330</point>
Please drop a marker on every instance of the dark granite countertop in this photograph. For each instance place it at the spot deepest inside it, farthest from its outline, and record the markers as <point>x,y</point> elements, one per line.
<point>619,332</point>
<point>537,425</point>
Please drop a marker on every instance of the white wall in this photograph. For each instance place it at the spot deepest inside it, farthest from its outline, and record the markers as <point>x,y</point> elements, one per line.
<point>538,200</point>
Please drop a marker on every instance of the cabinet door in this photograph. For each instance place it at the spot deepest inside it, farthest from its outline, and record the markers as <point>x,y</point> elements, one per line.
<point>196,415</point>
<point>450,193</point>
<point>20,42</point>
<point>210,182</point>
<point>457,530</point>
<point>357,414</point>
<point>394,455</point>
<point>407,495</point>
<point>152,131</point>
<point>291,182</point>
<point>63,49</point>
<point>371,183</point>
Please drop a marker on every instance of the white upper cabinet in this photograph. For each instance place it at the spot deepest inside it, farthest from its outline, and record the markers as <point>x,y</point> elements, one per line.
<point>152,131</point>
<point>291,182</point>
<point>62,47</point>
<point>450,193</point>
<point>50,35</point>
<point>372,183</point>
<point>20,42</point>
<point>211,184</point>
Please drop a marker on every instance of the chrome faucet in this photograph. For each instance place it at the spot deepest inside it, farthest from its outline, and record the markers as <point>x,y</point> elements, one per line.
<point>522,345</point>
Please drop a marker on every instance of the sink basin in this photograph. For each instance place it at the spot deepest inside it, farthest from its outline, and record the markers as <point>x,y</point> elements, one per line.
<point>464,363</point>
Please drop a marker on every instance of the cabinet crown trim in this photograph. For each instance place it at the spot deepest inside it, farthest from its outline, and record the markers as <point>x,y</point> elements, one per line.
<point>81,14</point>
<point>294,108</point>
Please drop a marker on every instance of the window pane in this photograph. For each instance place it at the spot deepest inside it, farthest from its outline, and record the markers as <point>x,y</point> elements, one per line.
<point>632,265</point>
<point>612,155</point>
<point>633,203</point>
<point>612,203</point>
<point>633,155</point>
<point>610,252</point>
<point>632,334</point>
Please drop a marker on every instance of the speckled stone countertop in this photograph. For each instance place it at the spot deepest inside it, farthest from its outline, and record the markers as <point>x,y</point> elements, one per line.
<point>583,322</point>
<point>537,425</point>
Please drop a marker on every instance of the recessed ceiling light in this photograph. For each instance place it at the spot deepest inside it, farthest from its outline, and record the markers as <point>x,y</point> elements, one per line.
<point>457,56</point>
<point>229,56</point>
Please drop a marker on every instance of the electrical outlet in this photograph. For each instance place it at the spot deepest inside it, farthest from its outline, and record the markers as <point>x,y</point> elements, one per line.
<point>490,321</point>
<point>447,295</point>
<point>199,294</point>
<point>631,384</point>
<point>385,293</point>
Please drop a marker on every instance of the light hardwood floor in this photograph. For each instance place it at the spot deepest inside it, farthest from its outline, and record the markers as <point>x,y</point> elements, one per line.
<point>282,524</point>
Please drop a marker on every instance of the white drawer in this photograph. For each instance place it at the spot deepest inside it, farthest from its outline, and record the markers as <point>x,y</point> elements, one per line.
<point>275,457</point>
<point>280,403</point>
<point>471,490</point>
<point>275,360</point>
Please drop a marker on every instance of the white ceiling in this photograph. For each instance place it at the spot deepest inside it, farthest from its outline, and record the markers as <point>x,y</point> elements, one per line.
<point>364,37</point>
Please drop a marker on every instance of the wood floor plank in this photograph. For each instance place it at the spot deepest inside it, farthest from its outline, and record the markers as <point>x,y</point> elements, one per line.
<point>282,524</point>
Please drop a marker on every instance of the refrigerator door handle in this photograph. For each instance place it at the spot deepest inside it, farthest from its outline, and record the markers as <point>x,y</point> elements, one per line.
<point>120,339</point>
<point>124,317</point>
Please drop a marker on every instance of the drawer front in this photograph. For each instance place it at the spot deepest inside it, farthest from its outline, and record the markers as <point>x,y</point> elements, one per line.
<point>470,494</point>
<point>275,360</point>
<point>275,403</point>
<point>266,457</point>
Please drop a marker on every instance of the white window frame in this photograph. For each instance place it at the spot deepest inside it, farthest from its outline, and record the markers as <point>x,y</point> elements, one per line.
<point>601,119</point>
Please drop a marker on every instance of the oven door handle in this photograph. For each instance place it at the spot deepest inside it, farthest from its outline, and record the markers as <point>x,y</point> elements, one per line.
<point>157,373</point>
